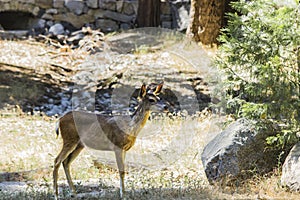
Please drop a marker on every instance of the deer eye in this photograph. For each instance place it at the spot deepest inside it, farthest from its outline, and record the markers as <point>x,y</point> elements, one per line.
<point>152,100</point>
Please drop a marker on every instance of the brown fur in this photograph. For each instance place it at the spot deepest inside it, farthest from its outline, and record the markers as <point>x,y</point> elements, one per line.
<point>102,132</point>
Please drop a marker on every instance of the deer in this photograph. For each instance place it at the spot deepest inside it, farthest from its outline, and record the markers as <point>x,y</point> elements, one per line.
<point>117,133</point>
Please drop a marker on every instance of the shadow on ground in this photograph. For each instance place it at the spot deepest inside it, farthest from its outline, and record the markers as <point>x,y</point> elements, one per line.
<point>102,191</point>
<point>144,39</point>
<point>25,88</point>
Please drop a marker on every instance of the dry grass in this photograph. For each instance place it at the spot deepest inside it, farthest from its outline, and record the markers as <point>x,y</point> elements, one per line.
<point>160,166</point>
<point>165,162</point>
<point>29,146</point>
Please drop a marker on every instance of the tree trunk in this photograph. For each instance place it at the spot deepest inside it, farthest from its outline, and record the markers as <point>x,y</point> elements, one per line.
<point>207,18</point>
<point>148,13</point>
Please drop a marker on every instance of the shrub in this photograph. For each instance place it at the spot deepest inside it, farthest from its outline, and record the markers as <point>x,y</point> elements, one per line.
<point>260,55</point>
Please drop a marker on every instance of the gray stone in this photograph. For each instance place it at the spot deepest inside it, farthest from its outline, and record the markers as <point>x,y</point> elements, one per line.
<point>237,152</point>
<point>49,23</point>
<point>24,1</point>
<point>118,16</point>
<point>5,1</point>
<point>109,1</point>
<point>77,12</point>
<point>75,20</point>
<point>52,11</point>
<point>85,9</point>
<point>29,8</point>
<point>92,3</point>
<point>74,39</point>
<point>165,8</point>
<point>107,25</point>
<point>166,24</point>
<point>107,5</point>
<point>58,3</point>
<point>166,18</point>
<point>75,6</point>
<point>4,7</point>
<point>119,5</point>
<point>47,16</point>
<point>291,169</point>
<point>130,7</point>
<point>44,3</point>
<point>57,29</point>
<point>35,11</point>
<point>38,27</point>
<point>15,5</point>
<point>41,24</point>
<point>180,14</point>
<point>98,13</point>
<point>125,26</point>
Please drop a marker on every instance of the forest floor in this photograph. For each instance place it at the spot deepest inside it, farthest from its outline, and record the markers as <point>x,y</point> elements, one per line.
<point>165,162</point>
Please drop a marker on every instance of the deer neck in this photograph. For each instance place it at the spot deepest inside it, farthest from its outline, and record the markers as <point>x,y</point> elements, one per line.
<point>140,117</point>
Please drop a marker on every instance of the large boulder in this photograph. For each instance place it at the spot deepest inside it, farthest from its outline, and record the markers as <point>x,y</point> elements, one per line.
<point>238,152</point>
<point>291,169</point>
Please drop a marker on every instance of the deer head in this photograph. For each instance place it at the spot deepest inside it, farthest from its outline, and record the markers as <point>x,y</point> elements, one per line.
<point>150,96</point>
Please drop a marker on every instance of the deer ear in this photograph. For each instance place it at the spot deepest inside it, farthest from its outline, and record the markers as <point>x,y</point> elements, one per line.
<point>142,91</point>
<point>158,88</point>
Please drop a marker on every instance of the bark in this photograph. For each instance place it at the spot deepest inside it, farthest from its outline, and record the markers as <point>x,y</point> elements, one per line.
<point>148,13</point>
<point>207,18</point>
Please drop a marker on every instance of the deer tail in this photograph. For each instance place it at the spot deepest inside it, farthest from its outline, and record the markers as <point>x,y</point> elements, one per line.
<point>57,129</point>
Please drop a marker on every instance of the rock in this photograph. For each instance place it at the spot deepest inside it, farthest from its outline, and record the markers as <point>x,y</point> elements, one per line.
<point>13,5</point>
<point>180,14</point>
<point>165,9</point>
<point>12,186</point>
<point>166,24</point>
<point>92,3</point>
<point>166,18</point>
<point>23,1</point>
<point>47,16</point>
<point>40,24</point>
<point>76,21</point>
<point>107,5</point>
<point>119,6</point>
<point>52,11</point>
<point>75,6</point>
<point>106,25</point>
<point>58,3</point>
<point>53,110</point>
<point>35,11</point>
<point>75,38</point>
<point>130,7</point>
<point>98,13</point>
<point>291,169</point>
<point>125,26</point>
<point>4,6</point>
<point>237,152</point>
<point>118,16</point>
<point>44,3</point>
<point>57,29</point>
<point>49,23</point>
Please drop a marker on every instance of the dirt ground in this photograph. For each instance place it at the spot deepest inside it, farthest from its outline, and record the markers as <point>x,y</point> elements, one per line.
<point>39,76</point>
<point>165,162</point>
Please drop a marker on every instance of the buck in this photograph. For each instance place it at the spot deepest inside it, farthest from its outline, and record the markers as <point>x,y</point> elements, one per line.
<point>80,129</point>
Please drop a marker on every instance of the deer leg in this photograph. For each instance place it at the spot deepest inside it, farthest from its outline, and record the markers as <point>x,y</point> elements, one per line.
<point>67,162</point>
<point>64,153</point>
<point>120,157</point>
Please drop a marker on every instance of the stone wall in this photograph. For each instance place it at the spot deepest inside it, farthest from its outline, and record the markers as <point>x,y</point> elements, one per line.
<point>106,15</point>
